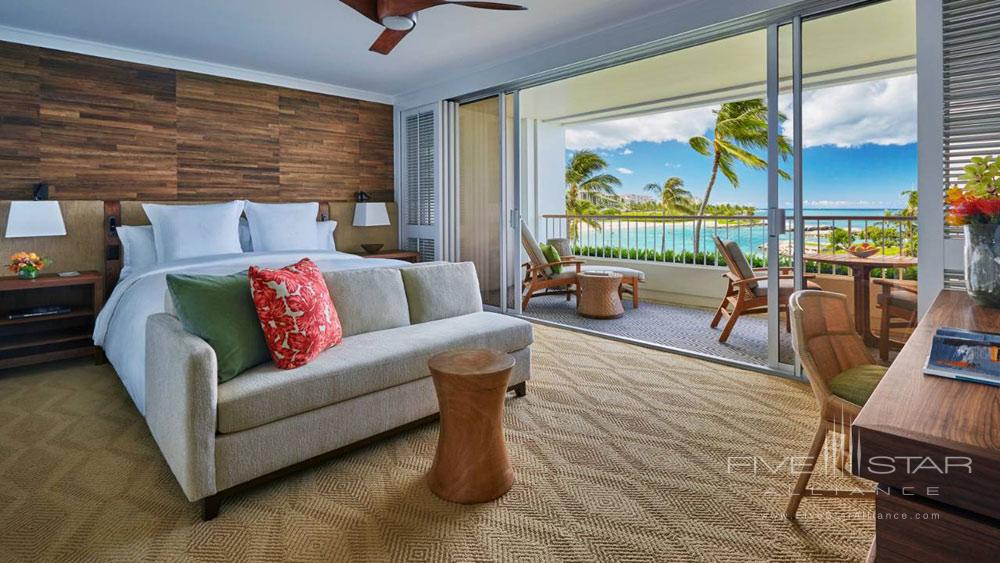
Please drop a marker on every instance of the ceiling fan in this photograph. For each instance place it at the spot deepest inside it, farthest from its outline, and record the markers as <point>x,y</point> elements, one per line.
<point>399,17</point>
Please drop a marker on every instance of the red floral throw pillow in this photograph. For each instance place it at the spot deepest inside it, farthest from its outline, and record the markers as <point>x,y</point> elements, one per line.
<point>295,311</point>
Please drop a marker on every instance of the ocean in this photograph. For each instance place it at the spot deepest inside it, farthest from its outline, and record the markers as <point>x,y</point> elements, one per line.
<point>679,236</point>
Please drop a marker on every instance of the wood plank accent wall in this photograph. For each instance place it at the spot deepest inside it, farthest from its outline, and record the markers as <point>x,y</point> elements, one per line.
<point>20,136</point>
<point>96,128</point>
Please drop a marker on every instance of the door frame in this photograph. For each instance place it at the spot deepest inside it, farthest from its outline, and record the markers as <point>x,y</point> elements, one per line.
<point>777,221</point>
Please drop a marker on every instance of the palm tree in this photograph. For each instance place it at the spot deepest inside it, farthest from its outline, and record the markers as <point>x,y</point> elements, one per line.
<point>911,209</point>
<point>584,175</point>
<point>740,127</point>
<point>674,200</point>
<point>673,197</point>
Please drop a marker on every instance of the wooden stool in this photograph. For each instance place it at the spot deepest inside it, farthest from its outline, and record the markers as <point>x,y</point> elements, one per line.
<point>471,463</point>
<point>597,296</point>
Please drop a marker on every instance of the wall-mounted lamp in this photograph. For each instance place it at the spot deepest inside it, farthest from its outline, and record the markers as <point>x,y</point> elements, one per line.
<point>36,218</point>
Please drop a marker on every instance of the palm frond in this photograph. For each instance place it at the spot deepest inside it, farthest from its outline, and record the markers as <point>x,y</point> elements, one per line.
<point>701,145</point>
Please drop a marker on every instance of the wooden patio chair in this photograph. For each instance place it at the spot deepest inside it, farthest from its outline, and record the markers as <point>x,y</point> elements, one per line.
<point>841,372</point>
<point>898,300</point>
<point>539,276</point>
<point>746,288</point>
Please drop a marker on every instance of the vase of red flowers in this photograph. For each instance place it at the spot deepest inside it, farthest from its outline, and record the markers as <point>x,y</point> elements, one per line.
<point>976,207</point>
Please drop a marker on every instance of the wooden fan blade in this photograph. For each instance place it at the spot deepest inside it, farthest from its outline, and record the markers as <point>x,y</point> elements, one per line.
<point>406,7</point>
<point>367,8</point>
<point>388,41</point>
<point>489,5</point>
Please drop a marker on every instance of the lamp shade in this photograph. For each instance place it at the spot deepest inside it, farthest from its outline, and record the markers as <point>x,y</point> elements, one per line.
<point>35,219</point>
<point>371,215</point>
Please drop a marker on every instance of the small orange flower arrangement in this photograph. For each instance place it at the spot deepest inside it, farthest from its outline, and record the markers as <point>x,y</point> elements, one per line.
<point>27,264</point>
<point>978,201</point>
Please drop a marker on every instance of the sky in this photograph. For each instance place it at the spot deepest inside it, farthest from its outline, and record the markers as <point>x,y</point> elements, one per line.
<point>859,148</point>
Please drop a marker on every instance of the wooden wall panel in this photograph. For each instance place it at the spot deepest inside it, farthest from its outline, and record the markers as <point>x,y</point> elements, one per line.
<point>227,139</point>
<point>103,129</point>
<point>19,129</point>
<point>376,164</point>
<point>320,146</point>
<point>108,128</point>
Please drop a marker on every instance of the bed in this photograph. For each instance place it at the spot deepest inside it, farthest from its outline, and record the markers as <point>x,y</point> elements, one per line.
<point>120,328</point>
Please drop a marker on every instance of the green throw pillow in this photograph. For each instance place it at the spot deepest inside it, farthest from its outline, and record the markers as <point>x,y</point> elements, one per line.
<point>551,255</point>
<point>220,310</point>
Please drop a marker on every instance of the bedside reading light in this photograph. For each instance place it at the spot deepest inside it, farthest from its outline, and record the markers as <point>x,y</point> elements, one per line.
<point>370,214</point>
<point>37,218</point>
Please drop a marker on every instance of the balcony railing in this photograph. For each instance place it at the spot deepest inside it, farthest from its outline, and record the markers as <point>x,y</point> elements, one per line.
<point>670,238</point>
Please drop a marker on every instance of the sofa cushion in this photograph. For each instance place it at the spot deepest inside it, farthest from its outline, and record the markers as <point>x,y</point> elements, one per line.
<point>368,300</point>
<point>440,291</point>
<point>361,364</point>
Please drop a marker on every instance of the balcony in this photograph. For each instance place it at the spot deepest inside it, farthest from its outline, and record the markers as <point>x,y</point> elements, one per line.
<point>684,287</point>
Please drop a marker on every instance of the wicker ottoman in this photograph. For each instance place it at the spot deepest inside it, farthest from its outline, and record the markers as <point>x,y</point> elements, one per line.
<point>598,295</point>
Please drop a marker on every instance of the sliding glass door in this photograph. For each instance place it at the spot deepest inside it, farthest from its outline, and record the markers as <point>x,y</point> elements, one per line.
<point>749,138</point>
<point>487,196</point>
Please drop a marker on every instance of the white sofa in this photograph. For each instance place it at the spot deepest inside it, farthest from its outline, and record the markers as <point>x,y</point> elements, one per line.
<point>221,438</point>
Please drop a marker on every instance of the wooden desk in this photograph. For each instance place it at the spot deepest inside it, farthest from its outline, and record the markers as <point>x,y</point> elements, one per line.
<point>933,446</point>
<point>861,269</point>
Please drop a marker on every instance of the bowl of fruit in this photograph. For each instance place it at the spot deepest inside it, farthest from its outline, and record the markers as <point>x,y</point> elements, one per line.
<point>863,250</point>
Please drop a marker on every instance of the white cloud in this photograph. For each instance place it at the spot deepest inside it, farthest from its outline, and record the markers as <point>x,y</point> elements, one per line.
<point>671,165</point>
<point>881,112</point>
<point>624,170</point>
<point>626,152</point>
<point>658,128</point>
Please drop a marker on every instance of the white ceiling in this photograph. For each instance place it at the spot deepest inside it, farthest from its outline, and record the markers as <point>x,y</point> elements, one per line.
<point>323,41</point>
<point>877,40</point>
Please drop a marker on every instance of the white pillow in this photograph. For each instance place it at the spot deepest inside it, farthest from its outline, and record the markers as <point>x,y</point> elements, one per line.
<point>325,234</point>
<point>282,226</point>
<point>189,231</point>
<point>138,249</point>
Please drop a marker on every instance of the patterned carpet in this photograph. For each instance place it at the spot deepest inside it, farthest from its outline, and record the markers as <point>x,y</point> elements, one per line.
<point>620,454</point>
<point>672,325</point>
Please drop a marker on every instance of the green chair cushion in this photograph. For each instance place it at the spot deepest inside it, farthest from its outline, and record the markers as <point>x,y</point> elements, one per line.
<point>551,255</point>
<point>220,310</point>
<point>855,385</point>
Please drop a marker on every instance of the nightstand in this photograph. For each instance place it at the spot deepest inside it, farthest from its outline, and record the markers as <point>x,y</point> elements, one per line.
<point>38,339</point>
<point>405,255</point>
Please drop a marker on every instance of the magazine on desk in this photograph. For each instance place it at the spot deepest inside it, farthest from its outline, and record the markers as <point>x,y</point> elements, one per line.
<point>965,355</point>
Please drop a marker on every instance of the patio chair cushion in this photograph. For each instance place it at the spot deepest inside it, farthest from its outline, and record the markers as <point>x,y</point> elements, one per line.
<point>535,255</point>
<point>625,272</point>
<point>562,246</point>
<point>741,263</point>
<point>551,255</point>
<point>856,384</point>
<point>785,288</point>
<point>900,298</point>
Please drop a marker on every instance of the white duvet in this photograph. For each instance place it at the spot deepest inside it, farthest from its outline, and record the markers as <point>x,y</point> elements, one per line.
<point>121,326</point>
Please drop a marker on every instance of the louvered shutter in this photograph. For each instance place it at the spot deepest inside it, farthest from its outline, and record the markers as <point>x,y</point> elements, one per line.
<point>420,229</point>
<point>971,45</point>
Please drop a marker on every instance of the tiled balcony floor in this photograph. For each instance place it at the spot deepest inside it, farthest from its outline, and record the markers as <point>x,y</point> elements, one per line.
<point>671,325</point>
